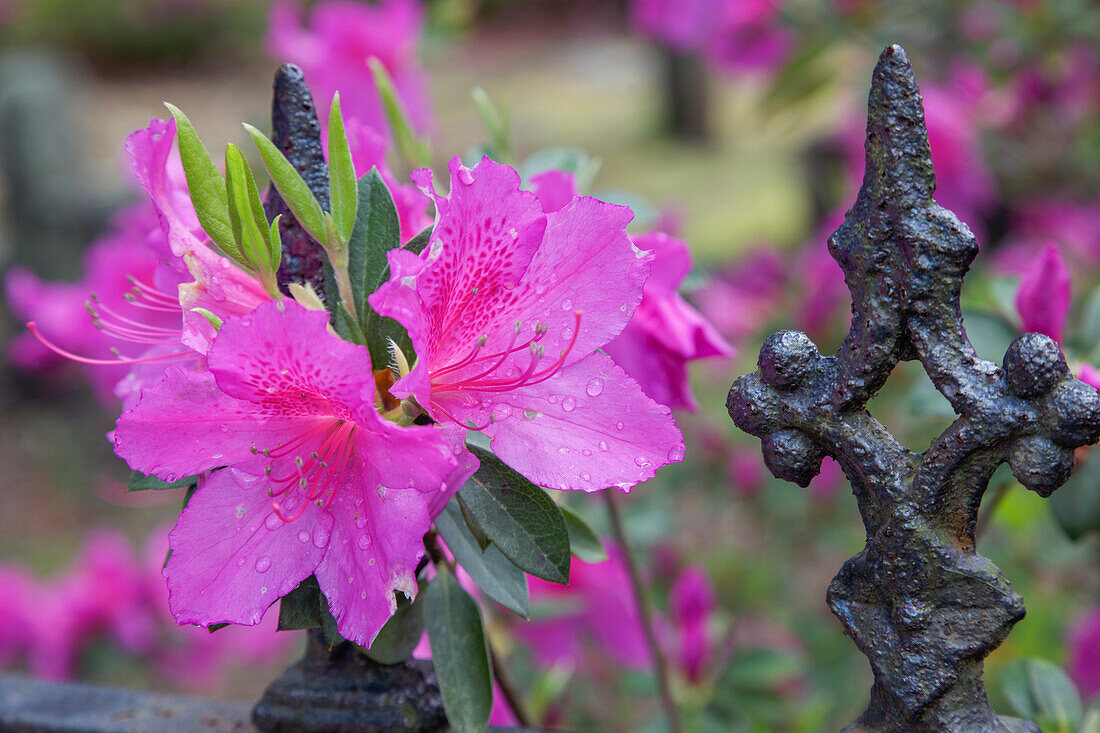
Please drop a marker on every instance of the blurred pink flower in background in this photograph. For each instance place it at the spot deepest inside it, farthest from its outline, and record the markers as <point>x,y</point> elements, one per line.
<point>1074,226</point>
<point>595,614</point>
<point>335,45</point>
<point>741,298</point>
<point>745,468</point>
<point>818,281</point>
<point>1083,644</point>
<point>109,595</point>
<point>691,604</point>
<point>1043,299</point>
<point>733,35</point>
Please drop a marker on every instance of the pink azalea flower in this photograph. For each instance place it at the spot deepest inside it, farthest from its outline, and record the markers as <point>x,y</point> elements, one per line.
<point>1088,374</point>
<point>745,469</point>
<point>819,281</point>
<point>691,603</point>
<point>1084,653</point>
<point>317,482</point>
<point>1074,226</point>
<point>506,310</point>
<point>1043,299</point>
<point>596,611</point>
<point>333,52</point>
<point>665,332</point>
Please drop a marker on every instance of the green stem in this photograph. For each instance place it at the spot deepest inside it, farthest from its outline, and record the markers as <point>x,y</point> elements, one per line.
<point>660,664</point>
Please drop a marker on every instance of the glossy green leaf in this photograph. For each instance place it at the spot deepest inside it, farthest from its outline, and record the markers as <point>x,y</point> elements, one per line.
<point>397,639</point>
<point>204,183</point>
<point>377,231</point>
<point>520,519</point>
<point>342,186</point>
<point>301,608</point>
<point>1039,690</point>
<point>294,190</point>
<point>583,540</point>
<point>483,540</point>
<point>140,482</point>
<point>493,572</point>
<point>249,235</point>
<point>459,653</point>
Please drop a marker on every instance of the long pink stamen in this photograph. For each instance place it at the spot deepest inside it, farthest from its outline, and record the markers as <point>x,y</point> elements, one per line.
<point>505,384</point>
<point>320,471</point>
<point>129,324</point>
<point>461,424</point>
<point>33,328</point>
<point>151,293</point>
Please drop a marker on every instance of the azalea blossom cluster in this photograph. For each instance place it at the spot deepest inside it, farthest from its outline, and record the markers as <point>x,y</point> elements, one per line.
<point>112,594</point>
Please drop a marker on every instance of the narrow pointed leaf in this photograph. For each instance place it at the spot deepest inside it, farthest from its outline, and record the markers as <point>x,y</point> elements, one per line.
<point>343,193</point>
<point>459,654</point>
<point>521,520</point>
<point>493,572</point>
<point>294,190</point>
<point>377,231</point>
<point>412,149</point>
<point>204,183</point>
<point>583,540</point>
<point>252,251</point>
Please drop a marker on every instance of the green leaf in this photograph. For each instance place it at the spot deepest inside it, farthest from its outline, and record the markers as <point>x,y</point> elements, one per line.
<point>417,244</point>
<point>299,199</point>
<point>249,235</point>
<point>204,183</point>
<point>377,231</point>
<point>750,686</point>
<point>483,540</point>
<point>520,519</point>
<point>1076,505</point>
<point>458,653</point>
<point>216,627</point>
<point>342,188</point>
<point>301,607</point>
<point>140,482</point>
<point>583,540</point>
<point>1041,691</point>
<point>493,572</point>
<point>397,639</point>
<point>989,335</point>
<point>496,123</point>
<point>414,150</point>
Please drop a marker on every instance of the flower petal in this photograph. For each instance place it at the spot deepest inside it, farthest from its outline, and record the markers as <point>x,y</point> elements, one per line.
<point>589,428</point>
<point>377,541</point>
<point>186,425</point>
<point>232,557</point>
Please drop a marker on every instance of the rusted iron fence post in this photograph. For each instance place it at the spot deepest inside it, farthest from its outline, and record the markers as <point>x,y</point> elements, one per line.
<point>918,600</point>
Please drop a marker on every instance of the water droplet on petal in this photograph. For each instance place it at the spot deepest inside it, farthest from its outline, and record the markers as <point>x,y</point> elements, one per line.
<point>552,398</point>
<point>594,387</point>
<point>563,450</point>
<point>586,477</point>
<point>263,564</point>
<point>465,176</point>
<point>502,411</point>
<point>240,562</point>
<point>320,537</point>
<point>530,414</point>
<point>568,404</point>
<point>586,452</point>
<point>641,461</point>
<point>364,542</point>
<point>263,590</point>
<point>567,333</point>
<point>566,304</point>
<point>619,425</point>
<point>676,453</point>
<point>224,428</point>
<point>303,536</point>
<point>360,521</point>
<point>273,522</point>
<point>381,491</point>
<point>603,445</point>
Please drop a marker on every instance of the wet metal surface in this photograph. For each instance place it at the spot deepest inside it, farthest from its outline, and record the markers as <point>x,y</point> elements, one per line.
<point>918,600</point>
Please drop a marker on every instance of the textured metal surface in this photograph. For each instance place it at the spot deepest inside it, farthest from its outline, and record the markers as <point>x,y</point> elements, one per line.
<point>34,706</point>
<point>341,691</point>
<point>918,600</point>
<point>296,132</point>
